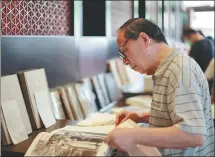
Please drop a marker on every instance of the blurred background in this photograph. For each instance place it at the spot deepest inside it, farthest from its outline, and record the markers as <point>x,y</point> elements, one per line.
<point>75,39</point>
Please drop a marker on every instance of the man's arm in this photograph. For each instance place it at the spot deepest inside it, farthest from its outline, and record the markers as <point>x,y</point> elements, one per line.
<point>169,137</point>
<point>144,117</point>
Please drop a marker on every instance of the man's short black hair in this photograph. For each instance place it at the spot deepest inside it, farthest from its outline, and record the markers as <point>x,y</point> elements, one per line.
<point>189,31</point>
<point>134,26</point>
<point>200,32</point>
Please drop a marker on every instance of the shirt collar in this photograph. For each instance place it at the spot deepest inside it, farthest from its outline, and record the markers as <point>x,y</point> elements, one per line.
<point>164,65</point>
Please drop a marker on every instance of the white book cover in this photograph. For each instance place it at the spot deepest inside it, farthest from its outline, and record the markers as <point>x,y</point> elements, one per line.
<point>45,110</point>
<point>33,81</point>
<point>10,89</point>
<point>14,121</point>
<point>5,136</point>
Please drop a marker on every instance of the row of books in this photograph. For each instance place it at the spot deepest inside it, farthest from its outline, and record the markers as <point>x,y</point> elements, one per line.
<point>27,97</point>
<point>126,77</point>
<point>25,105</point>
<point>28,104</point>
<point>76,101</point>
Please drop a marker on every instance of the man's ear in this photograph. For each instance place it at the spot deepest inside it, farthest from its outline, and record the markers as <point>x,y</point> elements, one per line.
<point>145,38</point>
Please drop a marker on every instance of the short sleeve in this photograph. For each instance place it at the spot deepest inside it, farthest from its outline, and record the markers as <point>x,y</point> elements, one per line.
<point>209,73</point>
<point>186,110</point>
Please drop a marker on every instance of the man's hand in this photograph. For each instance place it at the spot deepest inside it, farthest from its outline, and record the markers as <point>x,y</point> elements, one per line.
<point>121,139</point>
<point>136,117</point>
<point>126,139</point>
<point>125,115</point>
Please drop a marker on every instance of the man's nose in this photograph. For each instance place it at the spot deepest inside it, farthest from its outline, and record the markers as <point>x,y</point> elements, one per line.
<point>125,62</point>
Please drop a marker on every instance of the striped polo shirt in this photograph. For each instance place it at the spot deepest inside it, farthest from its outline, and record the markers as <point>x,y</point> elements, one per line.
<point>181,98</point>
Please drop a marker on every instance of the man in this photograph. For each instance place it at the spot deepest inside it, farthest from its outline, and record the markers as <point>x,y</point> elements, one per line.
<point>201,48</point>
<point>180,121</point>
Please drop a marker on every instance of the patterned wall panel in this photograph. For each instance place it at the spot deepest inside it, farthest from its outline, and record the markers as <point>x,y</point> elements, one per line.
<point>31,17</point>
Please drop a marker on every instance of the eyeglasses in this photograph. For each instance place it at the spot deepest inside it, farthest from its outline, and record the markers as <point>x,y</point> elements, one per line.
<point>121,51</point>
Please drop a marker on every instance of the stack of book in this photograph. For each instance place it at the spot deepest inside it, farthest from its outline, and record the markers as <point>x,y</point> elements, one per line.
<point>28,104</point>
<point>25,104</point>
<point>77,101</point>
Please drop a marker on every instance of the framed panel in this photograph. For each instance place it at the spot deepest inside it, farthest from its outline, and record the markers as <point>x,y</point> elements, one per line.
<point>152,11</point>
<point>94,19</point>
<point>121,11</point>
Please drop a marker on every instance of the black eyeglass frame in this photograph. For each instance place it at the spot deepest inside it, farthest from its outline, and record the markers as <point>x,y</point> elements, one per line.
<point>121,53</point>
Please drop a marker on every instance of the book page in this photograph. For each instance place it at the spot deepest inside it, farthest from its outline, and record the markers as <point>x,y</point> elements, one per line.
<point>44,108</point>
<point>13,121</point>
<point>98,119</point>
<point>41,139</point>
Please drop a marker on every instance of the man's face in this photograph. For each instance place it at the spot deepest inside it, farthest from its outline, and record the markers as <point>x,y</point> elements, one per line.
<point>190,38</point>
<point>136,52</point>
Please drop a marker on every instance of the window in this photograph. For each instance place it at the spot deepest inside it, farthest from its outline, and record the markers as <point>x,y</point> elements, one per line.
<point>203,21</point>
<point>187,4</point>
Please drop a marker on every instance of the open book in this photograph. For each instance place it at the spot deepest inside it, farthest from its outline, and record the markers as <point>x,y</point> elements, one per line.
<point>71,141</point>
<point>82,141</point>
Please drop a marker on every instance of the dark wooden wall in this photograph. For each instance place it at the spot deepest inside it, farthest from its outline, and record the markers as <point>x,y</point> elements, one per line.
<point>65,59</point>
